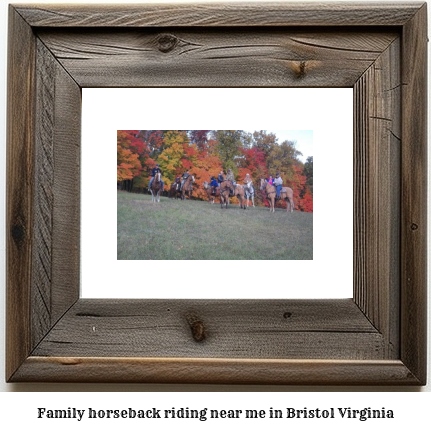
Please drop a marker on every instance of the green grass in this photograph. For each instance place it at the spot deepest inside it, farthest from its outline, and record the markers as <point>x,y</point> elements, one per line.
<point>175,229</point>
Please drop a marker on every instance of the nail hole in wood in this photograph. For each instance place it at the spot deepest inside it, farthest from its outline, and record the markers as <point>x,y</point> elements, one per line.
<point>287,314</point>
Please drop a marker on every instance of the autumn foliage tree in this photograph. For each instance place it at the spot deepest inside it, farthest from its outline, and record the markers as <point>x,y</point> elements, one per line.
<point>128,164</point>
<point>205,153</point>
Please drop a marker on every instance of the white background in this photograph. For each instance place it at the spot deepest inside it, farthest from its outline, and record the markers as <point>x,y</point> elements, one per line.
<point>19,409</point>
<point>328,112</point>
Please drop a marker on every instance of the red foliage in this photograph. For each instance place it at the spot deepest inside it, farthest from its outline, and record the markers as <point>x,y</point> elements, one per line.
<point>140,150</point>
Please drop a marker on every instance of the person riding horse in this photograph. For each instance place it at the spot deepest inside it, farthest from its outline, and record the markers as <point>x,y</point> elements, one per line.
<point>278,183</point>
<point>154,171</point>
<point>249,188</point>
<point>230,177</point>
<point>184,178</point>
<point>220,178</point>
<point>213,184</point>
<point>178,183</point>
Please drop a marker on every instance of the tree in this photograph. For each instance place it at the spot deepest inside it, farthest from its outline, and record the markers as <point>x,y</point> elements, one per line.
<point>228,147</point>
<point>128,164</point>
<point>205,153</point>
<point>153,140</point>
<point>200,138</point>
<point>170,159</point>
<point>264,141</point>
<point>308,172</point>
<point>207,166</point>
<point>282,158</point>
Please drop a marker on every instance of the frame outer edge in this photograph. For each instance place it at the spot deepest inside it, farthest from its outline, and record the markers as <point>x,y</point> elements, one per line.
<point>216,14</point>
<point>20,197</point>
<point>215,371</point>
<point>19,189</point>
<point>414,196</point>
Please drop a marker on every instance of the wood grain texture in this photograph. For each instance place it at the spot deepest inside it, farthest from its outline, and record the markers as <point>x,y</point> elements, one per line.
<point>214,57</point>
<point>55,278</point>
<point>220,15</point>
<point>66,190</point>
<point>44,196</point>
<point>414,191</point>
<point>54,336</point>
<point>234,329</point>
<point>215,371</point>
<point>377,146</point>
<point>20,198</point>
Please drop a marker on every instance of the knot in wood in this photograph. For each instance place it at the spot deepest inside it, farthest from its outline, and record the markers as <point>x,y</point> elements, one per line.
<point>167,42</point>
<point>18,233</point>
<point>414,226</point>
<point>197,328</point>
<point>300,69</point>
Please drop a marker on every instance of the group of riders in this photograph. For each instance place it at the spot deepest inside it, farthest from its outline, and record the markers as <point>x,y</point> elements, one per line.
<point>179,181</point>
<point>277,182</point>
<point>215,183</point>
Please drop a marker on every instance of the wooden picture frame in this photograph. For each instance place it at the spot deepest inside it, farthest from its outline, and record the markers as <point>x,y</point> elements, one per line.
<point>378,337</point>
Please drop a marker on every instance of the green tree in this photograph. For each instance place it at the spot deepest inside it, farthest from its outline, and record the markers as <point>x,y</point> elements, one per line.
<point>229,144</point>
<point>264,141</point>
<point>282,157</point>
<point>308,172</point>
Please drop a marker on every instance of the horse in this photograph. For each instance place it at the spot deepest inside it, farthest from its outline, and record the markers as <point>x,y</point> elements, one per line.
<point>156,188</point>
<point>271,191</point>
<point>238,191</point>
<point>210,192</point>
<point>187,187</point>
<point>249,192</point>
<point>225,187</point>
<point>175,191</point>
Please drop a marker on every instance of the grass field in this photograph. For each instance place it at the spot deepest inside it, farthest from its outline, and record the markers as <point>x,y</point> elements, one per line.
<point>196,230</point>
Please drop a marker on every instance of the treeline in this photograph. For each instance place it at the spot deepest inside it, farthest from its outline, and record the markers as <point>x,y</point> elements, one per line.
<point>205,153</point>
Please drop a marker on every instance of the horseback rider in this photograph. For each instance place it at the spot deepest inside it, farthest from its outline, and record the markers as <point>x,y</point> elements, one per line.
<point>230,177</point>
<point>220,178</point>
<point>155,171</point>
<point>248,181</point>
<point>213,184</point>
<point>278,182</point>
<point>177,183</point>
<point>184,178</point>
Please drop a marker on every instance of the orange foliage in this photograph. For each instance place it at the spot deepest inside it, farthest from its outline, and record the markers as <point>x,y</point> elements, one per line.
<point>138,151</point>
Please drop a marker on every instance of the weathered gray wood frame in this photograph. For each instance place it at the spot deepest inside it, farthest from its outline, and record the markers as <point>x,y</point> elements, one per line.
<point>378,337</point>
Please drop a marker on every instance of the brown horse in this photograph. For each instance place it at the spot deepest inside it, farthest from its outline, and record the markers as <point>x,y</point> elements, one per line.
<point>175,191</point>
<point>225,187</point>
<point>239,192</point>
<point>271,191</point>
<point>210,192</point>
<point>156,188</point>
<point>187,187</point>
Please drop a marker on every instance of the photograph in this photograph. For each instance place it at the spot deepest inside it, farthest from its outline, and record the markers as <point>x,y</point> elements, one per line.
<point>214,195</point>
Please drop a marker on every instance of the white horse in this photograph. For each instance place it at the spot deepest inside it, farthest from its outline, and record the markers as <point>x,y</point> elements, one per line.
<point>249,192</point>
<point>156,188</point>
